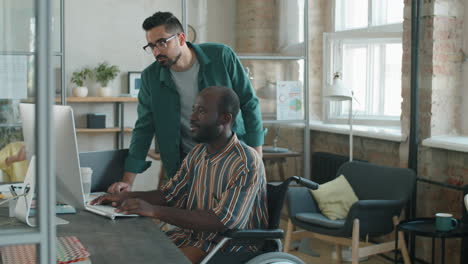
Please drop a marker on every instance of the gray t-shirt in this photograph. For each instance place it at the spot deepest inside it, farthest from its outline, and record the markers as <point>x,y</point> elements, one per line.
<point>186,84</point>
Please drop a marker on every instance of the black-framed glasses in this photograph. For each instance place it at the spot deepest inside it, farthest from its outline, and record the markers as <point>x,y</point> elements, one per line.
<point>161,44</point>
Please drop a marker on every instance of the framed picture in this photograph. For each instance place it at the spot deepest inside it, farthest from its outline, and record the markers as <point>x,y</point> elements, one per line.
<point>134,83</point>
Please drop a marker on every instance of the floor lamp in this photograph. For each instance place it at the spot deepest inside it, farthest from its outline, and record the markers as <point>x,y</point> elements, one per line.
<point>338,92</point>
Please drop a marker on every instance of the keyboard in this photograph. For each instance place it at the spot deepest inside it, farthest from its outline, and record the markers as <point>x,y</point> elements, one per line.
<point>104,210</point>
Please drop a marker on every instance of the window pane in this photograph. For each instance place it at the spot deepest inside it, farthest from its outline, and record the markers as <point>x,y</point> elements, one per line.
<point>393,58</point>
<point>387,12</point>
<point>373,72</point>
<point>394,11</point>
<point>351,14</point>
<point>18,23</point>
<point>355,75</point>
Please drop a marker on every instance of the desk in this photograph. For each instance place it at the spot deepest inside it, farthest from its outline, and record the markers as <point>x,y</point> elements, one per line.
<point>124,240</point>
<point>426,227</point>
<point>278,159</point>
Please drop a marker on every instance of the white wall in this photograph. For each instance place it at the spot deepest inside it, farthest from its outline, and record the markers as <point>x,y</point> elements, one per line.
<point>109,30</point>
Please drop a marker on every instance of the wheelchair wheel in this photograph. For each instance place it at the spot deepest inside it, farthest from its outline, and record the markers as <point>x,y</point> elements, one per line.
<point>275,258</point>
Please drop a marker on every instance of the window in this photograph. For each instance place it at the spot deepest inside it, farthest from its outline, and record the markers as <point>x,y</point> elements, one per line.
<point>365,49</point>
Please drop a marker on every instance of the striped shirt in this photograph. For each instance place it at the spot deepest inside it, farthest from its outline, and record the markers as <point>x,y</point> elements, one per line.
<point>230,182</point>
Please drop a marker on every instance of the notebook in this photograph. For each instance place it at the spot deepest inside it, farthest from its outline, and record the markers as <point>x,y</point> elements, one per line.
<point>69,250</point>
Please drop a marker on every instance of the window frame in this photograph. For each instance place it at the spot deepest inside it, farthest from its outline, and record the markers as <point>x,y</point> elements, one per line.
<point>333,44</point>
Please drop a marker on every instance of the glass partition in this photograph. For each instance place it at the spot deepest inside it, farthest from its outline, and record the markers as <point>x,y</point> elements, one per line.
<point>279,85</point>
<point>19,25</point>
<point>25,184</point>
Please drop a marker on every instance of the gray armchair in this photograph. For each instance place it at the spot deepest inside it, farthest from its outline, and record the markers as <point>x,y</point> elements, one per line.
<point>382,192</point>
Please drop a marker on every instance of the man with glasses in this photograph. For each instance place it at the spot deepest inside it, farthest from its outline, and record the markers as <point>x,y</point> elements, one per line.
<point>168,90</point>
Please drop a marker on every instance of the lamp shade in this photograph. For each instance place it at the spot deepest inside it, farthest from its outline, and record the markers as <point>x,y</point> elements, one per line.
<point>338,92</point>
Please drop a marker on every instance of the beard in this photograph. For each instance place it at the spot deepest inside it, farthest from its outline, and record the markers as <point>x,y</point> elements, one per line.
<point>206,134</point>
<point>167,63</point>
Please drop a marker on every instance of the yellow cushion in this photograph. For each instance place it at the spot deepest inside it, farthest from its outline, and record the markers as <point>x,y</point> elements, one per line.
<point>335,198</point>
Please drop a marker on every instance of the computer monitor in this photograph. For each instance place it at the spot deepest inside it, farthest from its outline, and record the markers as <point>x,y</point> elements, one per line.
<point>69,187</point>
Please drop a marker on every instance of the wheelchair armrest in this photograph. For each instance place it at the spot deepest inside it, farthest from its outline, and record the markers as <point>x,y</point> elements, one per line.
<point>254,233</point>
<point>305,182</point>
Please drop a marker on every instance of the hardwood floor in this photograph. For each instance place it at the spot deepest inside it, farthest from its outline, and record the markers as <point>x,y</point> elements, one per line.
<point>325,250</point>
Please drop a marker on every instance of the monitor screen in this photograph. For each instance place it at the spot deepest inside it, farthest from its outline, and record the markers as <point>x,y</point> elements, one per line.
<point>67,164</point>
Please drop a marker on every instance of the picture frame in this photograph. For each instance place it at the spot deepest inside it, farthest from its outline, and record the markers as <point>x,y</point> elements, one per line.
<point>134,83</point>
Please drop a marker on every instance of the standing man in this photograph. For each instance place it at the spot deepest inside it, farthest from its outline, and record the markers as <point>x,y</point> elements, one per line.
<point>168,91</point>
<point>221,184</point>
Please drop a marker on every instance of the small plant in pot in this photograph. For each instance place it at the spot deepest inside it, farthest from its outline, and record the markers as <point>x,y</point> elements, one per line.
<point>78,78</point>
<point>104,73</point>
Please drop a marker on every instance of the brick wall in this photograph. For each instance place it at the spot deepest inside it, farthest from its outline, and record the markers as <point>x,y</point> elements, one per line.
<point>256,26</point>
<point>439,113</point>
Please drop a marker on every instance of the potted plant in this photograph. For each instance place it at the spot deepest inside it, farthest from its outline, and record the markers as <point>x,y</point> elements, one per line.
<point>78,78</point>
<point>104,73</point>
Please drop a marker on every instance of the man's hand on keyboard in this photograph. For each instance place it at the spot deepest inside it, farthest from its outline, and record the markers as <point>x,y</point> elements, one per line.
<point>113,199</point>
<point>137,206</point>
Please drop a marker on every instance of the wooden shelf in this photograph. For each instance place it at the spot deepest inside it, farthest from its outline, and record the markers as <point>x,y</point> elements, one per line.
<point>91,99</point>
<point>101,99</point>
<point>102,130</point>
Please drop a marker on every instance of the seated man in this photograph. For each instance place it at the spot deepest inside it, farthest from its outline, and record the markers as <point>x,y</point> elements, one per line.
<point>13,162</point>
<point>221,184</point>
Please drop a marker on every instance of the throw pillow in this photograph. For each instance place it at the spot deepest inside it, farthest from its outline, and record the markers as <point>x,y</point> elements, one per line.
<point>335,198</point>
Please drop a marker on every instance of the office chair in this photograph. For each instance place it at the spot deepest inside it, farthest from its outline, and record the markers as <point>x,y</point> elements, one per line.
<point>270,238</point>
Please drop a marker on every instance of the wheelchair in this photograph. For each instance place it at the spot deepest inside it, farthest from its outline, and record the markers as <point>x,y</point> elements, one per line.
<point>270,239</point>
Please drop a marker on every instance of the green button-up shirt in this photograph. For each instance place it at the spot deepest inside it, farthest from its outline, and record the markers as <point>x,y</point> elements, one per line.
<point>159,106</point>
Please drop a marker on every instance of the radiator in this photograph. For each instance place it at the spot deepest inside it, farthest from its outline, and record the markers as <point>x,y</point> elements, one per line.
<point>325,165</point>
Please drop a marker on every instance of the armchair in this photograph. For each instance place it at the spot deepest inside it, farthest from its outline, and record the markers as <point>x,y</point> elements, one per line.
<point>382,192</point>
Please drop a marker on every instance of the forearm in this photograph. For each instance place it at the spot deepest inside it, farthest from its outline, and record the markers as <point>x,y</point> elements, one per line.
<point>200,220</point>
<point>155,197</point>
<point>129,177</point>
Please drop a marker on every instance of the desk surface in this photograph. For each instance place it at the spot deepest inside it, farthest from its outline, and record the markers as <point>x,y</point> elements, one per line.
<point>124,240</point>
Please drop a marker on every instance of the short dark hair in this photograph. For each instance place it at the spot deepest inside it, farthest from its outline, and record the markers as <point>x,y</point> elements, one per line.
<point>228,101</point>
<point>171,23</point>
